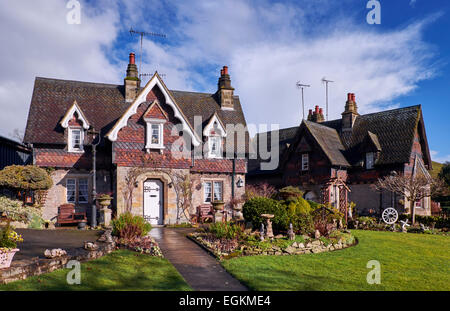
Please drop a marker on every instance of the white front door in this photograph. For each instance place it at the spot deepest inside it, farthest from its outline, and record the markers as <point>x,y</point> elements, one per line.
<point>153,205</point>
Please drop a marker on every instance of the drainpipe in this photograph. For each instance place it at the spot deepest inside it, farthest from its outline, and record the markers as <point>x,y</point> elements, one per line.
<point>94,177</point>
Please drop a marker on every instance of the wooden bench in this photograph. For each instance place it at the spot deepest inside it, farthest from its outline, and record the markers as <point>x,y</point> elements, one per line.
<point>67,215</point>
<point>204,212</point>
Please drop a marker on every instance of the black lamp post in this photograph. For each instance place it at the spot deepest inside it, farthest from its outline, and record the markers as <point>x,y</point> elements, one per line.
<point>94,177</point>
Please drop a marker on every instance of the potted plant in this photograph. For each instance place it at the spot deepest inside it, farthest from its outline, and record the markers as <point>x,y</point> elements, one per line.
<point>104,199</point>
<point>8,245</point>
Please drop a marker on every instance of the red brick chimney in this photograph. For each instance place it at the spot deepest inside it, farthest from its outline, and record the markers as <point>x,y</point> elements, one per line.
<point>351,112</point>
<point>317,116</point>
<point>131,82</point>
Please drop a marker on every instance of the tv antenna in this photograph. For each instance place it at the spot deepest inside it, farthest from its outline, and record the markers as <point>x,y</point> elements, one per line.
<point>142,34</point>
<point>302,86</point>
<point>162,75</point>
<point>324,80</point>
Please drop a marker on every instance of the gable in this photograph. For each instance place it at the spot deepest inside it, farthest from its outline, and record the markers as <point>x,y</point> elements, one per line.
<point>74,116</point>
<point>155,81</point>
<point>155,111</point>
<point>214,127</point>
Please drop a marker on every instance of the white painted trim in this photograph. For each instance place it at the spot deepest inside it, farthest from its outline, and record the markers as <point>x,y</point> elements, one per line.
<point>211,155</point>
<point>69,140</point>
<point>215,118</point>
<point>148,144</point>
<point>69,114</point>
<point>141,98</point>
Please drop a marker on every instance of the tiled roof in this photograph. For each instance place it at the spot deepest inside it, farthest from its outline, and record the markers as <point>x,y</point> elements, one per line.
<point>103,105</point>
<point>390,131</point>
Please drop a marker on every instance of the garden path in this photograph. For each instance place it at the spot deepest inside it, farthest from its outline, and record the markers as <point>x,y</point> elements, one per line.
<point>200,270</point>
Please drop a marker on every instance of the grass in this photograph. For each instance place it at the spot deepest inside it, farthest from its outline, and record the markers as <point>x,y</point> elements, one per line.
<point>408,262</point>
<point>120,270</point>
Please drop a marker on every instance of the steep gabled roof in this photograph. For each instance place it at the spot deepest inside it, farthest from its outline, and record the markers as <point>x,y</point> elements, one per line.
<point>103,105</point>
<point>329,141</point>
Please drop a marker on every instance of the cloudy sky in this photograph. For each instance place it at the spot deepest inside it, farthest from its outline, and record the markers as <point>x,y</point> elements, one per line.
<point>268,46</point>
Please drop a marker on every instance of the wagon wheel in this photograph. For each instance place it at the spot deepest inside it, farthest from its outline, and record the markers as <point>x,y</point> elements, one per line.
<point>389,215</point>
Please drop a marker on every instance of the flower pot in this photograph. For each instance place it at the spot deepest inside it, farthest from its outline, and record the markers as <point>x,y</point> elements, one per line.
<point>82,225</point>
<point>104,202</point>
<point>218,205</point>
<point>6,257</point>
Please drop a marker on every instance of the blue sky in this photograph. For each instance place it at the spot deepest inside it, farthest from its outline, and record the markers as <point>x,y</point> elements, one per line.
<point>268,46</point>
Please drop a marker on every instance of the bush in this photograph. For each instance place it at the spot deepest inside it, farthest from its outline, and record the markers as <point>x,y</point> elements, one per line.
<point>15,211</point>
<point>290,193</point>
<point>225,230</point>
<point>128,226</point>
<point>28,177</point>
<point>254,207</point>
<point>324,219</point>
<point>299,214</point>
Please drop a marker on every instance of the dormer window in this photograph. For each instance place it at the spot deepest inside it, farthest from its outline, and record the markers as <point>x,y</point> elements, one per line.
<point>215,146</point>
<point>155,134</point>
<point>76,138</point>
<point>369,160</point>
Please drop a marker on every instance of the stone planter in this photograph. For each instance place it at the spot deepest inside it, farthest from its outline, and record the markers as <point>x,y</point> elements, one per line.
<point>7,257</point>
<point>218,205</point>
<point>104,202</point>
<point>82,225</point>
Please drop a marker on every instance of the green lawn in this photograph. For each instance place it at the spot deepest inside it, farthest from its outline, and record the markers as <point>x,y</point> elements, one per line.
<point>408,262</point>
<point>120,270</point>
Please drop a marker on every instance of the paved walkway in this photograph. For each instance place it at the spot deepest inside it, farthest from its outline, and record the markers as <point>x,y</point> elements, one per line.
<point>35,242</point>
<point>200,270</point>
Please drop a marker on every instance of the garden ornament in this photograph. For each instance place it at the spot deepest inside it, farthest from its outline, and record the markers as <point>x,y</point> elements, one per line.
<point>404,225</point>
<point>389,215</point>
<point>291,233</point>
<point>261,232</point>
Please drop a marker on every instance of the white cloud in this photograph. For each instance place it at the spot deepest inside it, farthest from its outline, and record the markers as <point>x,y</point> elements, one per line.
<point>37,41</point>
<point>435,156</point>
<point>268,47</point>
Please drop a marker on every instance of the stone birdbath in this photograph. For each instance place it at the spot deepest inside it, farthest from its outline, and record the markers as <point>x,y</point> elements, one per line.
<point>269,231</point>
<point>218,207</point>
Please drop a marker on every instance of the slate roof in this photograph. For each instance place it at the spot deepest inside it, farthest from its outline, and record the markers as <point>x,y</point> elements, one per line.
<point>390,131</point>
<point>103,105</point>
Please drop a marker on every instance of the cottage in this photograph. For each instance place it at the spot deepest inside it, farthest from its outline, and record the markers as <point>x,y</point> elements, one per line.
<point>164,133</point>
<point>339,161</point>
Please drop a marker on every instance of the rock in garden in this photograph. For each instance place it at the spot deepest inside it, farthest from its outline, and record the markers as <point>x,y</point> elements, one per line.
<point>295,244</point>
<point>279,236</point>
<point>316,243</point>
<point>56,252</point>
<point>301,245</point>
<point>290,250</point>
<point>90,246</point>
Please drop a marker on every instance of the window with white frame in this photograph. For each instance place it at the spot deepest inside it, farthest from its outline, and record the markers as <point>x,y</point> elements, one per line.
<point>305,162</point>
<point>71,190</point>
<point>213,191</point>
<point>369,160</point>
<point>76,137</point>
<point>155,135</point>
<point>215,146</point>
<point>77,190</point>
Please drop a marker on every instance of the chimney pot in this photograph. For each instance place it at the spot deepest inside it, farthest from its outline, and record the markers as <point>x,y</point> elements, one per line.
<point>320,111</point>
<point>353,97</point>
<point>132,58</point>
<point>349,97</point>
<point>225,70</point>
<point>310,112</point>
<point>317,110</point>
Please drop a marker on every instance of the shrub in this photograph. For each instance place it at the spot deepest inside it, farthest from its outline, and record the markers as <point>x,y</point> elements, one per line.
<point>128,226</point>
<point>9,238</point>
<point>28,177</point>
<point>290,192</point>
<point>254,207</point>
<point>225,230</point>
<point>299,214</point>
<point>324,218</point>
<point>15,211</point>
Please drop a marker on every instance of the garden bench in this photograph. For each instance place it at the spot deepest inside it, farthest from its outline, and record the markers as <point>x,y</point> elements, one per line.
<point>205,212</point>
<point>67,215</point>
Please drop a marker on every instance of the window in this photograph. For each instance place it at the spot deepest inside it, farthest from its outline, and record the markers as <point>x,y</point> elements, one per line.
<point>213,191</point>
<point>154,135</point>
<point>75,139</point>
<point>419,204</point>
<point>208,192</point>
<point>305,162</point>
<point>215,146</point>
<point>369,160</point>
<point>71,190</point>
<point>77,190</point>
<point>83,191</point>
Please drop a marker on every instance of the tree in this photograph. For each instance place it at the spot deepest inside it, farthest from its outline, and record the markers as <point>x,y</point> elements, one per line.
<point>444,174</point>
<point>413,188</point>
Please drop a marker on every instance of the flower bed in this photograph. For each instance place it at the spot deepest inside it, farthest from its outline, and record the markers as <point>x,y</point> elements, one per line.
<point>143,245</point>
<point>250,245</point>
